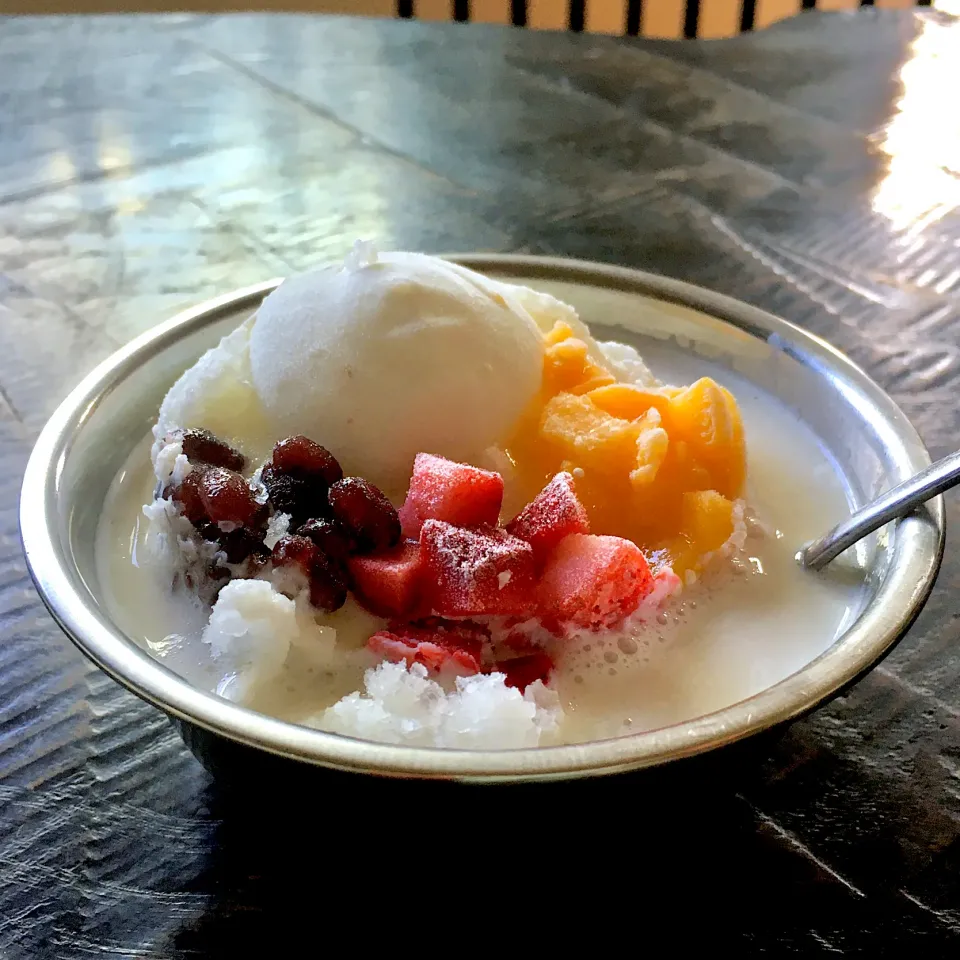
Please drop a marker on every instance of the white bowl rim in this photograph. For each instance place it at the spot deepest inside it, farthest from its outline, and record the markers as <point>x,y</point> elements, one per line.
<point>916,559</point>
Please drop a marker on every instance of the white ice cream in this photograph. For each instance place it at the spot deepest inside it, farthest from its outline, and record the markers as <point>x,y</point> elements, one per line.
<point>382,358</point>
<point>378,359</point>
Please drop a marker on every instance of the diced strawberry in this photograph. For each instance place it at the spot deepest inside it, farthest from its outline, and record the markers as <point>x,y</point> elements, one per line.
<point>387,583</point>
<point>433,642</point>
<point>468,573</point>
<point>554,513</point>
<point>454,492</point>
<point>592,581</point>
<point>519,640</point>
<point>520,672</point>
<point>432,655</point>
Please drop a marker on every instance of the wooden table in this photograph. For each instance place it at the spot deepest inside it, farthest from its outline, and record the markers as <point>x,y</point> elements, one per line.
<point>148,163</point>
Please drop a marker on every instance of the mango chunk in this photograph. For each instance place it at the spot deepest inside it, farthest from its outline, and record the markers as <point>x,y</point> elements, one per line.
<point>559,332</point>
<point>568,367</point>
<point>706,416</point>
<point>652,445</point>
<point>588,437</point>
<point>706,523</point>
<point>628,401</point>
<point>706,518</point>
<point>660,467</point>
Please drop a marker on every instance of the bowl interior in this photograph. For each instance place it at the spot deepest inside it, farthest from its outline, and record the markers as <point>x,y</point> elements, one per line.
<point>870,441</point>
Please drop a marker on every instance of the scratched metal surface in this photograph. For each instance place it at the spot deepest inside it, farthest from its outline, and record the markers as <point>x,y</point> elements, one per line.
<point>146,164</point>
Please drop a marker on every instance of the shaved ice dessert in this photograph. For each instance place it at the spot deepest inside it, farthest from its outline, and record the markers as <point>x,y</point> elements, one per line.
<point>409,503</point>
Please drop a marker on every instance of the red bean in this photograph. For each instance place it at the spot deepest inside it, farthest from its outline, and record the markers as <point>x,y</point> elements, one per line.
<point>300,456</point>
<point>228,499</point>
<point>205,447</point>
<point>366,513</point>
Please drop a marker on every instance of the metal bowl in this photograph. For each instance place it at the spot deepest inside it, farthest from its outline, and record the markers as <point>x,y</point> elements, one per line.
<point>86,441</point>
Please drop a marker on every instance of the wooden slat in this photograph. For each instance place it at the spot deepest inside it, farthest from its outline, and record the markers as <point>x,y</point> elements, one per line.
<point>377,8</point>
<point>719,18</point>
<point>769,11</point>
<point>662,18</point>
<point>548,14</point>
<point>838,4</point>
<point>433,9</point>
<point>490,11</point>
<point>371,8</point>
<point>606,16</point>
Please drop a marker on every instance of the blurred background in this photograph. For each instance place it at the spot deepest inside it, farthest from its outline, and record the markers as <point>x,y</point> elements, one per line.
<point>649,18</point>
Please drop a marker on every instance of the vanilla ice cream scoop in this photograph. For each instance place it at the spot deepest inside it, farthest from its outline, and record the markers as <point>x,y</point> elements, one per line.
<point>387,356</point>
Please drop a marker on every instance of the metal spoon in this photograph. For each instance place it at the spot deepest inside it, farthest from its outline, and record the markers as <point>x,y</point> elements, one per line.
<point>897,502</point>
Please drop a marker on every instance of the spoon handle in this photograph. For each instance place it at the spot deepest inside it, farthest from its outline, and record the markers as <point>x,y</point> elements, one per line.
<point>896,502</point>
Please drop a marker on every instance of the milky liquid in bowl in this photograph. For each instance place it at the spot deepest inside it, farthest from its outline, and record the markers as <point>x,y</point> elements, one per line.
<point>728,638</point>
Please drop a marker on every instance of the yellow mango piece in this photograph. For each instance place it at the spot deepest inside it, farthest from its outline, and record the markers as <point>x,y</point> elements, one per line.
<point>706,519</point>
<point>628,401</point>
<point>706,523</point>
<point>567,367</point>
<point>587,436</point>
<point>703,413</point>
<point>706,418</point>
<point>563,365</point>
<point>652,445</point>
<point>659,467</point>
<point>594,382</point>
<point>559,331</point>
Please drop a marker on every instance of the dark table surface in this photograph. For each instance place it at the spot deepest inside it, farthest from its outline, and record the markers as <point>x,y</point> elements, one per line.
<point>148,163</point>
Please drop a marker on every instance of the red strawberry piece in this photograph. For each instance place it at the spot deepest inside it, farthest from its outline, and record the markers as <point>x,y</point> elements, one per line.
<point>476,572</point>
<point>594,582</point>
<point>518,640</point>
<point>454,492</point>
<point>554,513</point>
<point>387,583</point>
<point>433,642</point>
<point>520,672</point>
